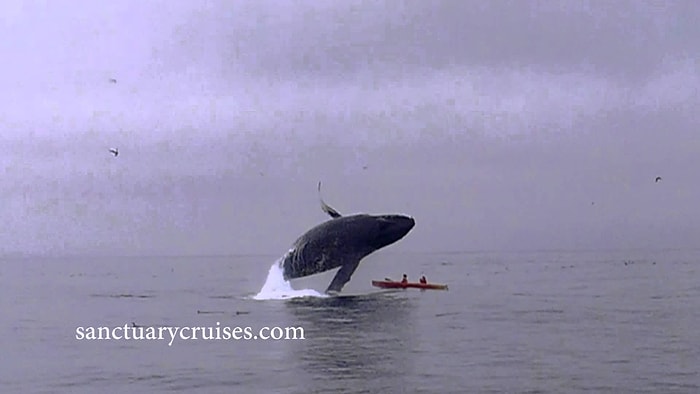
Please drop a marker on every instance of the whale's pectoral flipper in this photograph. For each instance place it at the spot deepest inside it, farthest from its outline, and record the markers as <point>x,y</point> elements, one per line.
<point>342,276</point>
<point>325,207</point>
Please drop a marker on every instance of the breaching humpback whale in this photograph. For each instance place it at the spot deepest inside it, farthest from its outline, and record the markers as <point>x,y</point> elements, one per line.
<point>342,242</point>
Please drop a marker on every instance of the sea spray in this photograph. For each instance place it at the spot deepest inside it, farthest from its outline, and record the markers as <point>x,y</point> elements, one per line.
<point>276,288</point>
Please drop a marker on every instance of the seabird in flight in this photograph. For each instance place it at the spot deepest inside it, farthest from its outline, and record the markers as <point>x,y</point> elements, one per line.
<point>114,151</point>
<point>658,178</point>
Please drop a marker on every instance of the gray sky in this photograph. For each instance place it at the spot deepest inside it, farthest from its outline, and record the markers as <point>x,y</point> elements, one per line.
<point>496,124</point>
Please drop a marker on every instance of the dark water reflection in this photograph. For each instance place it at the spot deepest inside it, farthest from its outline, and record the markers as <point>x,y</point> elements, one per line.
<point>354,343</point>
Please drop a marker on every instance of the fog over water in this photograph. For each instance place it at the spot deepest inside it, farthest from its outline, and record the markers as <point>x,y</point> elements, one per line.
<point>497,125</point>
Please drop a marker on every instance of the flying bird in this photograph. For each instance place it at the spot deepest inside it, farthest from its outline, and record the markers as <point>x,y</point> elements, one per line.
<point>658,178</point>
<point>114,151</point>
<point>112,80</point>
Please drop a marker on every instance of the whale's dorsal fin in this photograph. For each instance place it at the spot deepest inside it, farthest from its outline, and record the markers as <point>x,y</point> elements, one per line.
<point>325,207</point>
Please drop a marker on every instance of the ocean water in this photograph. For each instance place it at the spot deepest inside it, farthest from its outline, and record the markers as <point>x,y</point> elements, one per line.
<point>549,322</point>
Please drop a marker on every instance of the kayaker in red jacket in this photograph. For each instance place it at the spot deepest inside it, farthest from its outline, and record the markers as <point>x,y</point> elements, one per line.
<point>405,279</point>
<point>423,280</point>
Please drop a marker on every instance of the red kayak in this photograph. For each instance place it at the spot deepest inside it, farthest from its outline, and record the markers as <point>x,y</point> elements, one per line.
<point>389,284</point>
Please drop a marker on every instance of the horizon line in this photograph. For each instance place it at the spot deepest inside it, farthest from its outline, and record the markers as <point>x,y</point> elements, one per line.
<point>5,255</point>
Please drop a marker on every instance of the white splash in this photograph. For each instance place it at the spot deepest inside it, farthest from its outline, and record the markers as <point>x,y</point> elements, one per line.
<point>276,288</point>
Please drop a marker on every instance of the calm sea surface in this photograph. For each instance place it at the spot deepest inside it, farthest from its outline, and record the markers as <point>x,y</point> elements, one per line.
<point>555,322</point>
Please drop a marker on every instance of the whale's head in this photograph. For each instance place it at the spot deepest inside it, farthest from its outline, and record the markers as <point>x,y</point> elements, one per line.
<point>384,230</point>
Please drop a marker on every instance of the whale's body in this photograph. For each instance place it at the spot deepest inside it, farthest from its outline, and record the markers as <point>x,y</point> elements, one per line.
<point>342,242</point>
